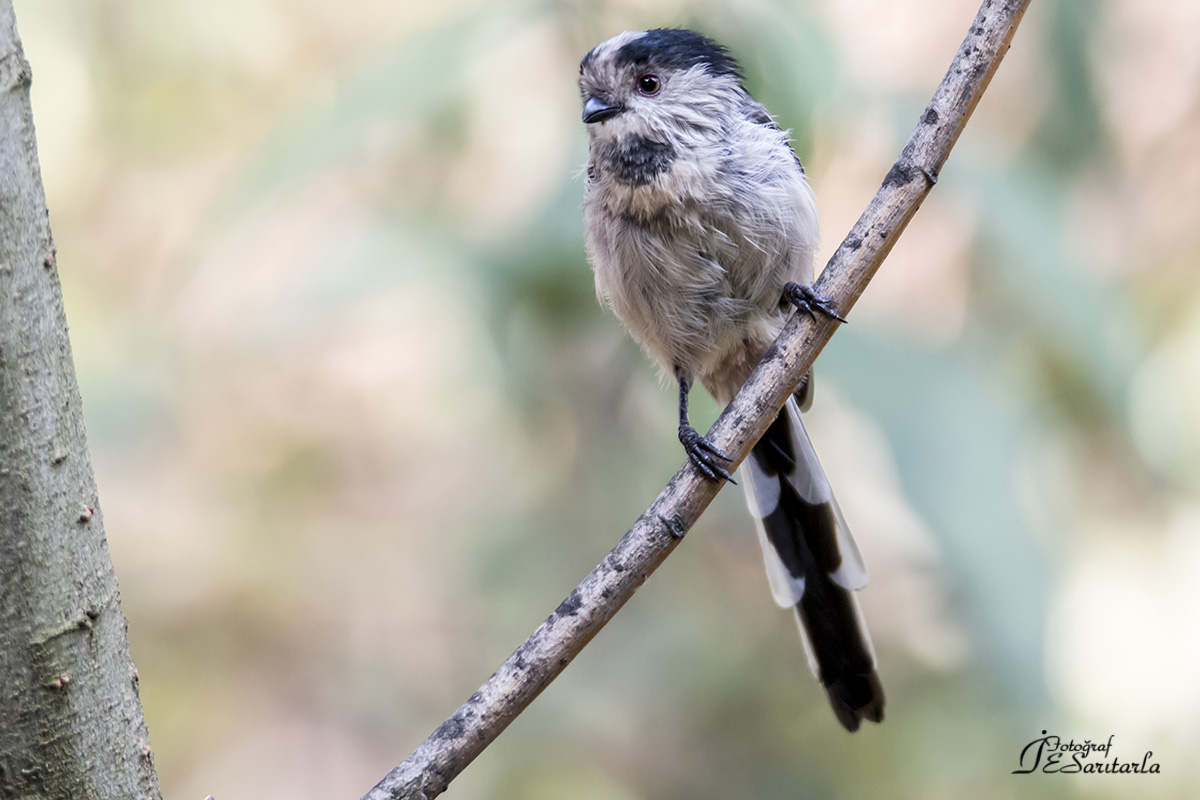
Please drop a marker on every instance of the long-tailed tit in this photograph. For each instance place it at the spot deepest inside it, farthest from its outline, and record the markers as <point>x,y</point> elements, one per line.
<point>701,229</point>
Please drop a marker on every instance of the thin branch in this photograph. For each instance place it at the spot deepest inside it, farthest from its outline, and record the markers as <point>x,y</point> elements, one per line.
<point>440,758</point>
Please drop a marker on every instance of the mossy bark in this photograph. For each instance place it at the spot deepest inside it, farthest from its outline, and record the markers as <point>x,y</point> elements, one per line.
<point>71,723</point>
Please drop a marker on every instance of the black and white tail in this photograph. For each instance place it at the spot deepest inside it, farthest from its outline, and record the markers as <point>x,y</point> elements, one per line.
<point>813,564</point>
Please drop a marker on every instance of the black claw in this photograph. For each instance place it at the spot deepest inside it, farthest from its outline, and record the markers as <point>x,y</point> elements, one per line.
<point>806,300</point>
<point>704,454</point>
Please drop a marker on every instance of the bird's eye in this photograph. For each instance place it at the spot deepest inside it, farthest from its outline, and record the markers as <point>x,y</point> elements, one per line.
<point>649,84</point>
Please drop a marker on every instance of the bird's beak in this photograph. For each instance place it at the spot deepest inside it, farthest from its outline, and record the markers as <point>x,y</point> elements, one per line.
<point>596,110</point>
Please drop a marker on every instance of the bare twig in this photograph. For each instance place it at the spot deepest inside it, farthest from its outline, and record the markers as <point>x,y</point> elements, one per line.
<point>430,768</point>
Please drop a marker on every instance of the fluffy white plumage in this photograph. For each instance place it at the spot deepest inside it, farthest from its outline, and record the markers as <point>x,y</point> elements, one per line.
<point>720,230</point>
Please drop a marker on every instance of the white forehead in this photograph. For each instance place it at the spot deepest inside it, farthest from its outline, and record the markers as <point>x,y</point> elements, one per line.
<point>603,53</point>
<point>610,46</point>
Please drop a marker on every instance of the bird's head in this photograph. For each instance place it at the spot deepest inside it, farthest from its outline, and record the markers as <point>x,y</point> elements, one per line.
<point>659,85</point>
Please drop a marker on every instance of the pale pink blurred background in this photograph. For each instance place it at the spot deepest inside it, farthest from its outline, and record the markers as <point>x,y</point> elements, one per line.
<point>359,424</point>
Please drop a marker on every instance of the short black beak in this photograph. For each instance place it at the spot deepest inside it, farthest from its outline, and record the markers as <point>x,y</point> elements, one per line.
<point>596,110</point>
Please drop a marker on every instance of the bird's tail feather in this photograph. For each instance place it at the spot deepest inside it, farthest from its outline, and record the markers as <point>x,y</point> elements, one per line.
<point>813,565</point>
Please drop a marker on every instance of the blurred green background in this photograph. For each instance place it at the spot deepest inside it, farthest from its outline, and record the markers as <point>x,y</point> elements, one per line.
<point>359,422</point>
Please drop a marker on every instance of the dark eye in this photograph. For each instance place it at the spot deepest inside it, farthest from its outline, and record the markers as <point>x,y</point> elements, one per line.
<point>649,84</point>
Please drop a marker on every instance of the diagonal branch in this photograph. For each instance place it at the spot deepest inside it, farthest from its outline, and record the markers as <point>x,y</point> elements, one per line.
<point>440,758</point>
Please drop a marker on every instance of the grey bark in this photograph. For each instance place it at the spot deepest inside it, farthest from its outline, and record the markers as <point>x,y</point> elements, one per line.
<point>429,769</point>
<point>71,723</point>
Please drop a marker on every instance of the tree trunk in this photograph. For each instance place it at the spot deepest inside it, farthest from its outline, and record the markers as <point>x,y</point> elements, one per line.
<point>71,723</point>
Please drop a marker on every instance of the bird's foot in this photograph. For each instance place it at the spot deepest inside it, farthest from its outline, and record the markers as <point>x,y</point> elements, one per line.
<point>704,454</point>
<point>806,300</point>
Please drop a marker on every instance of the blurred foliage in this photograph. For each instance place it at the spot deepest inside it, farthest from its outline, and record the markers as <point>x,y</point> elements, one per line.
<point>359,422</point>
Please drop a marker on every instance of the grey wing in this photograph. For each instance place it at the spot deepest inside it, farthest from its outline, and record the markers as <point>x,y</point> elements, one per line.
<point>759,115</point>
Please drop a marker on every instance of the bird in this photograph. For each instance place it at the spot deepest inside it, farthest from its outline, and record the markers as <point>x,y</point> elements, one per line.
<point>701,229</point>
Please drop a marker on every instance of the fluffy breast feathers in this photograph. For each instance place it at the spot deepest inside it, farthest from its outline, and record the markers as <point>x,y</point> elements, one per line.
<point>697,210</point>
